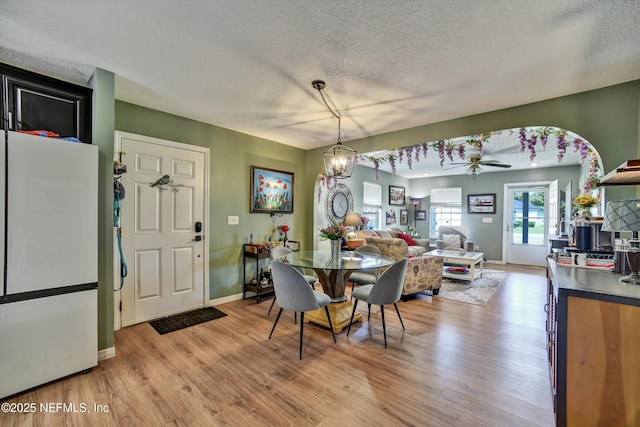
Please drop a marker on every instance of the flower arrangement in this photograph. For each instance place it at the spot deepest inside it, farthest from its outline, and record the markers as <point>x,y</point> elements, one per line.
<point>284,228</point>
<point>333,231</point>
<point>364,220</point>
<point>585,201</point>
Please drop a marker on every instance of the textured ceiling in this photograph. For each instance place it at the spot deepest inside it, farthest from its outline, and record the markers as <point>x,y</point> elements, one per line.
<point>247,65</point>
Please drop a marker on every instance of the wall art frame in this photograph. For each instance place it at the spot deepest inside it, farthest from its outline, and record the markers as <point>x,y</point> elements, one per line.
<point>396,195</point>
<point>271,191</point>
<point>481,203</point>
<point>421,215</point>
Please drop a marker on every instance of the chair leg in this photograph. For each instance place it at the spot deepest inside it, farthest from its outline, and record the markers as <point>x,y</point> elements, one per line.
<point>272,302</point>
<point>326,310</point>
<point>399,317</point>
<point>384,326</point>
<point>276,322</point>
<point>301,331</point>
<point>352,313</point>
<point>369,312</point>
<point>353,286</point>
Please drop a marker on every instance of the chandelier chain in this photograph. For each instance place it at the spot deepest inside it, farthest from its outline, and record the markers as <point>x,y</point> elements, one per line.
<point>335,114</point>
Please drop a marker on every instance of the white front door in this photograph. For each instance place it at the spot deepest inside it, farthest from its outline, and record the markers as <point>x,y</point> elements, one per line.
<point>163,227</point>
<point>526,225</point>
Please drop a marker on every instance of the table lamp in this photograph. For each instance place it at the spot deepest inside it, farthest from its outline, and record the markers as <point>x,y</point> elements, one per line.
<point>624,215</point>
<point>352,219</point>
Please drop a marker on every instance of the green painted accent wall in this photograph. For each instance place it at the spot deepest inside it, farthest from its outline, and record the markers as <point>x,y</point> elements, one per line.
<point>102,83</point>
<point>232,154</point>
<point>609,118</point>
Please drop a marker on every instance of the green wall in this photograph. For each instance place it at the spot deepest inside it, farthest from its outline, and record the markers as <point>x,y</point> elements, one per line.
<point>608,118</point>
<point>232,154</point>
<point>102,83</point>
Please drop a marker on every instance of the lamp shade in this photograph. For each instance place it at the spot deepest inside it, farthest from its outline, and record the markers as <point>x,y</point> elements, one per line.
<point>622,215</point>
<point>415,200</point>
<point>352,219</point>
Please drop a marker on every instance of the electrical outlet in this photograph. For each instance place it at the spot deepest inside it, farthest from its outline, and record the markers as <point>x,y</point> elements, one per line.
<point>233,220</point>
<point>487,220</point>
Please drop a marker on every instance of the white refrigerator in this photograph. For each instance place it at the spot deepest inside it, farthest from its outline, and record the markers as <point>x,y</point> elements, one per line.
<point>48,260</point>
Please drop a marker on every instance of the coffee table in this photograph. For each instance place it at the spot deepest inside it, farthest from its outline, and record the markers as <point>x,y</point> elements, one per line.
<point>473,263</point>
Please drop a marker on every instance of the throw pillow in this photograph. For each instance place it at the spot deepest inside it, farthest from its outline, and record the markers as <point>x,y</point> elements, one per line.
<point>451,241</point>
<point>408,239</point>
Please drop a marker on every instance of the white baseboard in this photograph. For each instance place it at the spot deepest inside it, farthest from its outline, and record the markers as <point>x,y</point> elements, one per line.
<point>225,300</point>
<point>106,353</point>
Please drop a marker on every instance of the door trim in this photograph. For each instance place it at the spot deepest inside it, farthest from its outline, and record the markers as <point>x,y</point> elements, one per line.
<point>506,215</point>
<point>117,148</point>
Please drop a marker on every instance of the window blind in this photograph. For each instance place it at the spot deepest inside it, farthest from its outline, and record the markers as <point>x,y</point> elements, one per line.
<point>371,194</point>
<point>441,196</point>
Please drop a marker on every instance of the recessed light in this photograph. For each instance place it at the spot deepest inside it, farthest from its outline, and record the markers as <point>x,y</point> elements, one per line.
<point>534,164</point>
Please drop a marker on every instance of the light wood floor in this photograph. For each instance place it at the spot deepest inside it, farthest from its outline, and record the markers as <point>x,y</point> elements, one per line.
<point>455,365</point>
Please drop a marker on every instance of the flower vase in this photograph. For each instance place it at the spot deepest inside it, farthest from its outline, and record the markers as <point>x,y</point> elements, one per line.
<point>285,239</point>
<point>335,248</point>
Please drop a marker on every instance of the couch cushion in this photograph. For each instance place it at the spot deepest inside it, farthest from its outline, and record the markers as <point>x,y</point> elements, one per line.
<point>363,234</point>
<point>408,239</point>
<point>451,241</point>
<point>384,234</point>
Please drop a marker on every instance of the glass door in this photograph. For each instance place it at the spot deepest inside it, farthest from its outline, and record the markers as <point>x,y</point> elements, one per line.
<point>527,230</point>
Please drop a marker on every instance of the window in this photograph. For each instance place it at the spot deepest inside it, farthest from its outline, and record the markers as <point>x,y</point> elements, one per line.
<point>445,208</point>
<point>372,203</point>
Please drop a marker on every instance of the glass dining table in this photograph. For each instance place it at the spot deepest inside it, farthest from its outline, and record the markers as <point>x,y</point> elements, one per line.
<point>334,274</point>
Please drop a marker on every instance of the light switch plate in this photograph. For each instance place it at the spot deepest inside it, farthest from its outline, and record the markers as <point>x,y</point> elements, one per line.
<point>487,220</point>
<point>233,220</point>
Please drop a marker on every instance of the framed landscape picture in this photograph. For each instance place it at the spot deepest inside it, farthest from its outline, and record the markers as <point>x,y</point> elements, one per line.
<point>421,215</point>
<point>271,191</point>
<point>404,216</point>
<point>396,195</point>
<point>481,203</point>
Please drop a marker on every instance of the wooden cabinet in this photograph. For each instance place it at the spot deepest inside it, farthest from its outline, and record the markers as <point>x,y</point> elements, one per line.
<point>32,101</point>
<point>593,347</point>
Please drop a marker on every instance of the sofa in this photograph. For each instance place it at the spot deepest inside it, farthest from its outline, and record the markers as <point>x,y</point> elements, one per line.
<point>415,247</point>
<point>424,272</point>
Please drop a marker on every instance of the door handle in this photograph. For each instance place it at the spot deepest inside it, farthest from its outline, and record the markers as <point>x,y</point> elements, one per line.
<point>196,239</point>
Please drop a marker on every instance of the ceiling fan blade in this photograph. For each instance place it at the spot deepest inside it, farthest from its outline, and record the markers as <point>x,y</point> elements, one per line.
<point>495,165</point>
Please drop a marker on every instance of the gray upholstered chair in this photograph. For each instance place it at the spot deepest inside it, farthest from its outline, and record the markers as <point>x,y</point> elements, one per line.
<point>365,277</point>
<point>279,252</point>
<point>386,290</point>
<point>294,293</point>
<point>454,237</point>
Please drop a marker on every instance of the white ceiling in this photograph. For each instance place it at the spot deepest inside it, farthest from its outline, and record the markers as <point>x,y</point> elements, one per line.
<point>247,65</point>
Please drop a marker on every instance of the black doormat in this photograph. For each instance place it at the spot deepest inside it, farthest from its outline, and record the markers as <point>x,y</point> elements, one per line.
<point>184,320</point>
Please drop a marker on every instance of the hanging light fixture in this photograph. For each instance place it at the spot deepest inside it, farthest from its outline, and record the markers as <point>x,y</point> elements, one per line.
<point>339,160</point>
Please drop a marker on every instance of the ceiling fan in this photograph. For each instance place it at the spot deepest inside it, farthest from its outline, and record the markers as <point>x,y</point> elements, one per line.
<point>474,161</point>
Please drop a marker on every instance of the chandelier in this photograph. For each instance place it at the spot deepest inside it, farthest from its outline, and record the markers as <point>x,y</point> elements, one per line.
<point>339,160</point>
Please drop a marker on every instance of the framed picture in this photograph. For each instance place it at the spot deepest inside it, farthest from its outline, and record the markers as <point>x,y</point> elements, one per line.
<point>421,215</point>
<point>271,191</point>
<point>390,218</point>
<point>404,216</point>
<point>396,195</point>
<point>481,203</point>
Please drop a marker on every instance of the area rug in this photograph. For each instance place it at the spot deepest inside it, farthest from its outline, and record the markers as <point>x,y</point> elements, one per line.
<point>479,293</point>
<point>184,320</point>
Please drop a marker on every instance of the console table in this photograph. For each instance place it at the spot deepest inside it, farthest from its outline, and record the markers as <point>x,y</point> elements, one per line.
<point>593,343</point>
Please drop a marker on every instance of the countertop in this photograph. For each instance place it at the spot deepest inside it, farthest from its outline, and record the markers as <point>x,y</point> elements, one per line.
<point>603,284</point>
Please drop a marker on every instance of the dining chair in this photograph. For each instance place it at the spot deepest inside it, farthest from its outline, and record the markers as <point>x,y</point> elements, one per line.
<point>365,277</point>
<point>279,252</point>
<point>294,294</point>
<point>386,290</point>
